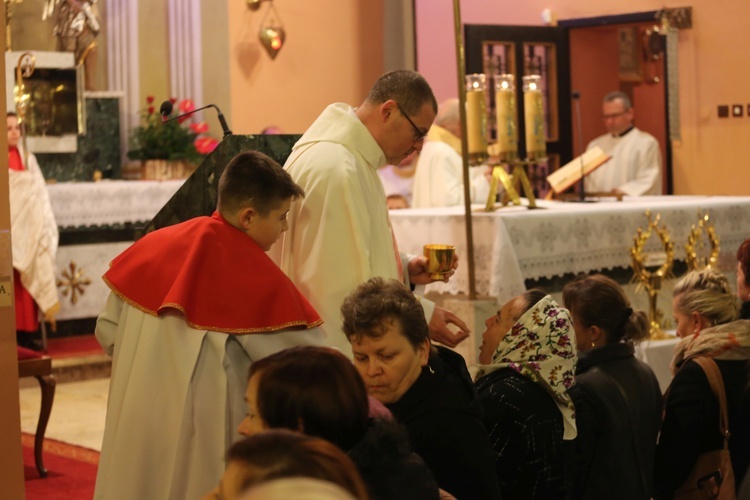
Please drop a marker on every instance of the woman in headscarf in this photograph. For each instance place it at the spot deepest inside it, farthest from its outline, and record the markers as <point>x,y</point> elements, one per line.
<point>617,397</point>
<point>705,308</point>
<point>528,361</point>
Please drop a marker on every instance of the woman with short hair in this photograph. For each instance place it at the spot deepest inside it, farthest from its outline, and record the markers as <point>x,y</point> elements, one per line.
<point>427,388</point>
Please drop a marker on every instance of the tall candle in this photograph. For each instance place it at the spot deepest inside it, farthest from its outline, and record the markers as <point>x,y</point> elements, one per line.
<point>476,117</point>
<point>505,113</point>
<point>533,104</point>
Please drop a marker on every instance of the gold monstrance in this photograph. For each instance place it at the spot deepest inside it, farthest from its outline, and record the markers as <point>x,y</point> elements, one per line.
<point>647,279</point>
<point>694,262</point>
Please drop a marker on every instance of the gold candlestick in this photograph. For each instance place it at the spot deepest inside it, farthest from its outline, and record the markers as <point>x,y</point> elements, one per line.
<point>651,280</point>
<point>533,111</point>
<point>694,262</point>
<point>476,117</point>
<point>505,113</point>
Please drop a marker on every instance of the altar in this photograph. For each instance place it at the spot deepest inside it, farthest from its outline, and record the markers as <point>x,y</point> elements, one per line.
<point>97,221</point>
<point>514,244</point>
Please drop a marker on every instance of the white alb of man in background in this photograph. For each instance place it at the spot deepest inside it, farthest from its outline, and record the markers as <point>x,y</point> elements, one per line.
<point>439,180</point>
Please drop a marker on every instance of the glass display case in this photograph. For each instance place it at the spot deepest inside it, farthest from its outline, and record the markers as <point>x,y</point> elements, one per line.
<point>46,90</point>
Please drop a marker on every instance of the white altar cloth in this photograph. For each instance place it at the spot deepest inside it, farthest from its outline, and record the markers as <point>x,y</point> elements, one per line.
<point>104,203</point>
<point>513,244</point>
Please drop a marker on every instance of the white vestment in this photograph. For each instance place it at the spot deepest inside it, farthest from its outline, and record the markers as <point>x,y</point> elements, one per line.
<point>340,233</point>
<point>439,180</point>
<point>34,233</point>
<point>166,436</point>
<point>395,182</point>
<point>635,167</point>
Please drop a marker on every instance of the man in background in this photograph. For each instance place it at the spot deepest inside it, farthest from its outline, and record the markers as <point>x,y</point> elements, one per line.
<point>340,233</point>
<point>439,180</point>
<point>635,167</point>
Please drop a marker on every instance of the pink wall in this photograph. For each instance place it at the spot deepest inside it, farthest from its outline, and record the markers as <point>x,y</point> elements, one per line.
<point>709,158</point>
<point>333,53</point>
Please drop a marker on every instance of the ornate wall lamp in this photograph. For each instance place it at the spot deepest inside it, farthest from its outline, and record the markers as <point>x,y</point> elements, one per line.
<point>271,34</point>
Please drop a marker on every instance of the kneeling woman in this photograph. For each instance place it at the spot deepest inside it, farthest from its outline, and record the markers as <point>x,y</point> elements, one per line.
<point>528,360</point>
<point>426,388</point>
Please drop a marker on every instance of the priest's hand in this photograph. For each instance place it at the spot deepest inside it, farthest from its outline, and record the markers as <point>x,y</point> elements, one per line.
<point>439,331</point>
<point>418,274</point>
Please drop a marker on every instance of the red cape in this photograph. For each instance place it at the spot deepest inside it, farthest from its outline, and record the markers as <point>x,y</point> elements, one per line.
<point>214,274</point>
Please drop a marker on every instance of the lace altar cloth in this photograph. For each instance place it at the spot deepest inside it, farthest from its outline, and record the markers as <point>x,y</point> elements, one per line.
<point>107,203</point>
<point>513,244</point>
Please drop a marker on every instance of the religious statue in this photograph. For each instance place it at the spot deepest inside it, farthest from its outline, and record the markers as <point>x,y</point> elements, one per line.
<point>76,28</point>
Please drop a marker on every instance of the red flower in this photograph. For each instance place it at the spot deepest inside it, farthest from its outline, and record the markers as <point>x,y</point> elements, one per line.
<point>205,145</point>
<point>151,110</point>
<point>186,106</point>
<point>150,99</point>
<point>172,100</point>
<point>199,128</point>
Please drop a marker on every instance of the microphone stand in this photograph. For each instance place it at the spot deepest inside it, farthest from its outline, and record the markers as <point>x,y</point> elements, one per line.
<point>166,109</point>
<point>576,96</point>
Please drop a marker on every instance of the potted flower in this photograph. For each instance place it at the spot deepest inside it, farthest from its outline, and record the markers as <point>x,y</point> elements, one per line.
<point>169,149</point>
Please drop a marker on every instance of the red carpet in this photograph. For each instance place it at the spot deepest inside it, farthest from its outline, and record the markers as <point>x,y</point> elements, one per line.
<point>78,345</point>
<point>71,471</point>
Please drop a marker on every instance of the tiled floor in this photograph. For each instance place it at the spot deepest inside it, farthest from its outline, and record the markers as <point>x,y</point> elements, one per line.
<point>78,411</point>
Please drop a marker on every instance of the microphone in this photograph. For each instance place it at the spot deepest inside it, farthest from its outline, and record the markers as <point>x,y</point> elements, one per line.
<point>575,95</point>
<point>166,109</point>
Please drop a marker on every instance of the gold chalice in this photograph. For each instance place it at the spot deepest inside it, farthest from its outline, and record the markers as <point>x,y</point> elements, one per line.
<point>439,260</point>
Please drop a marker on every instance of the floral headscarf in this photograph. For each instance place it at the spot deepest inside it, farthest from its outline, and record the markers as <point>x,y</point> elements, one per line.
<point>541,346</point>
<point>727,341</point>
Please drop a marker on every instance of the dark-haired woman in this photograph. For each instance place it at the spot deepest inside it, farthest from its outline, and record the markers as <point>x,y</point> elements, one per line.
<point>743,278</point>
<point>317,391</point>
<point>617,397</point>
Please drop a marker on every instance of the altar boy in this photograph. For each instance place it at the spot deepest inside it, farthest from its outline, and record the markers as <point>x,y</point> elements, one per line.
<point>191,307</point>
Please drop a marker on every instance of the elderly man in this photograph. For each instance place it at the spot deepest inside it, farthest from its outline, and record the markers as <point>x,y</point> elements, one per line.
<point>439,180</point>
<point>340,233</point>
<point>635,167</point>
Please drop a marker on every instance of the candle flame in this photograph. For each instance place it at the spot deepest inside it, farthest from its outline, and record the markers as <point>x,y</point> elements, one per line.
<point>532,86</point>
<point>475,85</point>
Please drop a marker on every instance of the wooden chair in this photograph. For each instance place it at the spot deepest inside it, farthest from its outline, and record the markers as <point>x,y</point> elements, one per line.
<point>35,364</point>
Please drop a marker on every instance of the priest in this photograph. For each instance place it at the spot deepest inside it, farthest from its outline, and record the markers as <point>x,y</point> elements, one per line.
<point>635,167</point>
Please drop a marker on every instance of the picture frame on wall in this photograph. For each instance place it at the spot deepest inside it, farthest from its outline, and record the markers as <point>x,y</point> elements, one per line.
<point>629,55</point>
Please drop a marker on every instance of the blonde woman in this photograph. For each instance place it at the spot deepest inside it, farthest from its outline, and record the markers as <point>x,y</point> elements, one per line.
<point>705,308</point>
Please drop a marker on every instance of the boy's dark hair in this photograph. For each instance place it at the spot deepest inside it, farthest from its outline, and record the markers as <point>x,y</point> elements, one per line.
<point>11,113</point>
<point>252,179</point>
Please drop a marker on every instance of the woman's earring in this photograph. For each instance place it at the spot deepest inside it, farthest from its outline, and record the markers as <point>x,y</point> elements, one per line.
<point>432,372</point>
<point>592,344</point>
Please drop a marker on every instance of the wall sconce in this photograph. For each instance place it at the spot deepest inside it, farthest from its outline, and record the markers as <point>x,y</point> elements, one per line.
<point>271,34</point>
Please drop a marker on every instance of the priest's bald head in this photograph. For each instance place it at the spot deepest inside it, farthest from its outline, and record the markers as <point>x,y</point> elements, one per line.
<point>398,112</point>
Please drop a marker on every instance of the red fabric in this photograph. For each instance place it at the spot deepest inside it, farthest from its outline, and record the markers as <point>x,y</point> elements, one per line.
<point>216,275</point>
<point>24,353</point>
<point>27,312</point>
<point>14,159</point>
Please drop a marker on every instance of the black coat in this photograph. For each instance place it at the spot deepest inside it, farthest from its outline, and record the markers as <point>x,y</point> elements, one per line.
<point>616,438</point>
<point>443,417</point>
<point>526,431</point>
<point>691,423</point>
<point>745,311</point>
